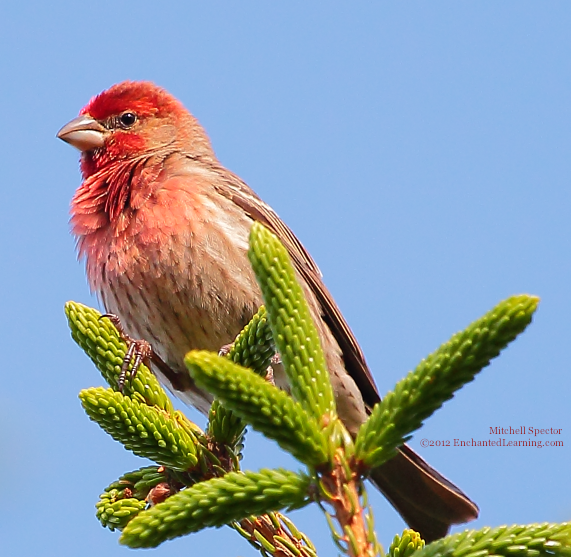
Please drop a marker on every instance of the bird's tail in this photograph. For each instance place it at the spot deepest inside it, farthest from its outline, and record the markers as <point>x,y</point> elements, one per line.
<point>427,501</point>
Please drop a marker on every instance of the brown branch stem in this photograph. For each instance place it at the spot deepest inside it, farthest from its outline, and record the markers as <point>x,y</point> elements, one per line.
<point>342,491</point>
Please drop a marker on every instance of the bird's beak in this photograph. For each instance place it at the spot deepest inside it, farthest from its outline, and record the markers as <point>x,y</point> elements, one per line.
<point>84,133</point>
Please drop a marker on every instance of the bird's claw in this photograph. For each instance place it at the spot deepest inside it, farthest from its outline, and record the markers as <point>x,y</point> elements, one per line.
<point>276,360</point>
<point>138,351</point>
<point>225,350</point>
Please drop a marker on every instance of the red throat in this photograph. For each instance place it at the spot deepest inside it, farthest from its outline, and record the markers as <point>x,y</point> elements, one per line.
<point>108,198</point>
<point>104,193</point>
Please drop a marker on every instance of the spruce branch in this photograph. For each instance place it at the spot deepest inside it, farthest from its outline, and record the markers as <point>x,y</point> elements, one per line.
<point>293,328</point>
<point>126,497</point>
<point>139,483</point>
<point>253,348</point>
<point>142,418</point>
<point>269,410</point>
<point>217,502</point>
<point>436,378</point>
<point>299,346</point>
<point>342,497</point>
<point>531,540</point>
<point>147,431</point>
<point>133,492</point>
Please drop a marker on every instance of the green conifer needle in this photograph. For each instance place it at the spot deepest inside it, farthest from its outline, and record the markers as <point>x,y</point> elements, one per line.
<point>436,378</point>
<point>293,328</point>
<point>146,430</point>
<point>217,502</point>
<point>253,348</point>
<point>532,540</point>
<point>268,409</point>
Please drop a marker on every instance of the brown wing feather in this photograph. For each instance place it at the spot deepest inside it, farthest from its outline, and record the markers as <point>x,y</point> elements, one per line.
<point>353,356</point>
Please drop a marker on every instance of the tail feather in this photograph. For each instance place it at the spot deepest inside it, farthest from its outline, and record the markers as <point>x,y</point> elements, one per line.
<point>427,501</point>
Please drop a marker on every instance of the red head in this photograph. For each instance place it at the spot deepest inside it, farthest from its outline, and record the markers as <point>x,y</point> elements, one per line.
<point>125,135</point>
<point>133,120</point>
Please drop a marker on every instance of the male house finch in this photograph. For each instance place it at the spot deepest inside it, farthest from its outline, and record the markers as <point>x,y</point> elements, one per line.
<point>164,227</point>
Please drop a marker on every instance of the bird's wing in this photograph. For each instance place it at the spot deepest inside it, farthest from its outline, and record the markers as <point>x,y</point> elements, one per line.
<point>243,196</point>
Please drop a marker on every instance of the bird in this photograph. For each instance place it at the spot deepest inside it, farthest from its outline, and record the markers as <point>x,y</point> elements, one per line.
<point>163,229</point>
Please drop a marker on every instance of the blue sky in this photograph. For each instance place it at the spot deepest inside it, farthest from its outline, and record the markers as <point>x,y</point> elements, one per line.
<point>420,150</point>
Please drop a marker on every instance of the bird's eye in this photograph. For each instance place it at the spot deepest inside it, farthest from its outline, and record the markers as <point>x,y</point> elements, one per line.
<point>127,119</point>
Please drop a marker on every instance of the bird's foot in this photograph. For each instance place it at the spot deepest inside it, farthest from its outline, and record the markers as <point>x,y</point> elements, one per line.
<point>275,361</point>
<point>138,351</point>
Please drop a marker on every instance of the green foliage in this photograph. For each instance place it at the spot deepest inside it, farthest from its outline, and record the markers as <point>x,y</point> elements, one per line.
<point>405,545</point>
<point>532,540</point>
<point>436,378</point>
<point>140,482</point>
<point>266,408</point>
<point>147,431</point>
<point>125,498</point>
<point>115,512</point>
<point>142,419</point>
<point>293,328</point>
<point>198,483</point>
<point>217,502</point>
<point>254,349</point>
